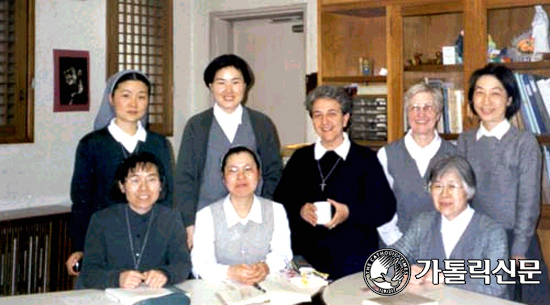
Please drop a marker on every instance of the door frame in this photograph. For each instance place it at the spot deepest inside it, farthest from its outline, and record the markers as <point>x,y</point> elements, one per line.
<point>221,23</point>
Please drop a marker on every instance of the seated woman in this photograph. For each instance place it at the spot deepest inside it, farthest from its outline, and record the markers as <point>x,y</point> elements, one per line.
<point>455,230</point>
<point>138,242</point>
<point>241,237</point>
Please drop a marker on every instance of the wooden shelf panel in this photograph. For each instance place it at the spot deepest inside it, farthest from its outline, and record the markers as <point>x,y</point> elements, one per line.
<point>543,139</point>
<point>444,7</point>
<point>500,4</point>
<point>409,6</point>
<point>375,145</point>
<point>354,79</point>
<point>527,66</point>
<point>377,8</point>
<point>434,68</point>
<point>342,46</point>
<point>449,136</point>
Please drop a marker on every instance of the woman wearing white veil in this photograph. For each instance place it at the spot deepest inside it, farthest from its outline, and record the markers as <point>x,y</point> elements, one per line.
<point>119,131</point>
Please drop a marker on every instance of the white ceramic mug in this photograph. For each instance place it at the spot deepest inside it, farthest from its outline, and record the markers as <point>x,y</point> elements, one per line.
<point>324,212</point>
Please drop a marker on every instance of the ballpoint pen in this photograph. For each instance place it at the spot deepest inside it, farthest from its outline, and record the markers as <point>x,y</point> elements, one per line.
<point>259,287</point>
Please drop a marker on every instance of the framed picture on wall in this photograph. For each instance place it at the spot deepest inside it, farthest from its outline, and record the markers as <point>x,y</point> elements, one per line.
<point>71,80</point>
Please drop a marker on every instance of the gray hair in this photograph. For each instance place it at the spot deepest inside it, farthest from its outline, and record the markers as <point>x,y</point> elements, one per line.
<point>422,87</point>
<point>460,166</point>
<point>329,92</point>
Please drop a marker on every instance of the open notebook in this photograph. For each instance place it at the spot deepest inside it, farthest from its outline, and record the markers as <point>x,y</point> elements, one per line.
<point>275,289</point>
<point>146,295</point>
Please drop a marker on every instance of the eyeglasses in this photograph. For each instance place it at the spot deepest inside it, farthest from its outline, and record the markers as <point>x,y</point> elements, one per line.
<point>438,188</point>
<point>422,108</point>
<point>136,182</point>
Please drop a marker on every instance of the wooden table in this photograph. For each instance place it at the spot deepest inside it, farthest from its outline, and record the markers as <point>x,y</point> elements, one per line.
<point>353,290</point>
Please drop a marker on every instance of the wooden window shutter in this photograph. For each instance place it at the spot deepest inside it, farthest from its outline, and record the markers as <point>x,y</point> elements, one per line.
<point>139,37</point>
<point>16,70</point>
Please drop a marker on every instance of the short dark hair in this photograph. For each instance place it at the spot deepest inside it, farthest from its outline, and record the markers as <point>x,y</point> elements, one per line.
<point>239,149</point>
<point>228,60</point>
<point>460,166</point>
<point>508,81</point>
<point>133,76</point>
<point>131,163</point>
<point>329,92</point>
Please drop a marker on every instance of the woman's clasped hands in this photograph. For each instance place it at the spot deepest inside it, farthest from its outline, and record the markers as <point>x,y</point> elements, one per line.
<point>248,274</point>
<point>308,212</point>
<point>152,278</point>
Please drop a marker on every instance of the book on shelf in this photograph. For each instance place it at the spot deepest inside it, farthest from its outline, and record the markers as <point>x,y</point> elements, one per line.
<point>366,89</point>
<point>452,102</point>
<point>543,85</point>
<point>537,96</point>
<point>535,106</point>
<point>526,108</point>
<point>456,101</point>
<point>146,295</point>
<point>517,120</point>
<point>545,182</point>
<point>403,298</point>
<point>275,289</point>
<point>539,113</point>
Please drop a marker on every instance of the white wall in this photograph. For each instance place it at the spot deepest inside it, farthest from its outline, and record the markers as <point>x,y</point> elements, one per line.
<point>192,48</point>
<point>39,173</point>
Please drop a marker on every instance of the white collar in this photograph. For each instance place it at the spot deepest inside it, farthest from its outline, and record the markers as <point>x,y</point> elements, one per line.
<point>417,152</point>
<point>234,118</point>
<point>129,142</point>
<point>342,150</point>
<point>233,218</point>
<point>497,132</point>
<point>459,223</point>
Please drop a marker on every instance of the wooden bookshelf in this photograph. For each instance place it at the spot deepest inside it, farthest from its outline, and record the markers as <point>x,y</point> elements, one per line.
<point>374,145</point>
<point>434,68</point>
<point>390,32</point>
<point>355,79</point>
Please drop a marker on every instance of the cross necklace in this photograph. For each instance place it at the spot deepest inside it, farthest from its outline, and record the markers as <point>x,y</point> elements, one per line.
<point>134,252</point>
<point>323,179</point>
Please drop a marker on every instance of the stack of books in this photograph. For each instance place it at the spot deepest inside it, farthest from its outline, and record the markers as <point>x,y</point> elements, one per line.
<point>534,116</point>
<point>453,101</point>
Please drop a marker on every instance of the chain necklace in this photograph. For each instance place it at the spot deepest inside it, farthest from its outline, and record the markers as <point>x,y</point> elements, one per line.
<point>140,254</point>
<point>323,179</point>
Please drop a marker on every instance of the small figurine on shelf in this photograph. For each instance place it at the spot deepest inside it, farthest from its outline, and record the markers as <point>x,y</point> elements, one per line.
<point>492,51</point>
<point>416,60</point>
<point>459,44</point>
<point>522,47</point>
<point>438,60</point>
<point>364,65</point>
<point>540,33</point>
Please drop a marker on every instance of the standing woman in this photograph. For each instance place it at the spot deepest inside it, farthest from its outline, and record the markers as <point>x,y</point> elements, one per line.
<point>211,133</point>
<point>407,162</point>
<point>119,133</point>
<point>345,174</point>
<point>507,166</point>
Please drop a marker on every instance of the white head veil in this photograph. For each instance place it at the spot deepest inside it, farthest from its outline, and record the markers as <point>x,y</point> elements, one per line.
<point>106,112</point>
